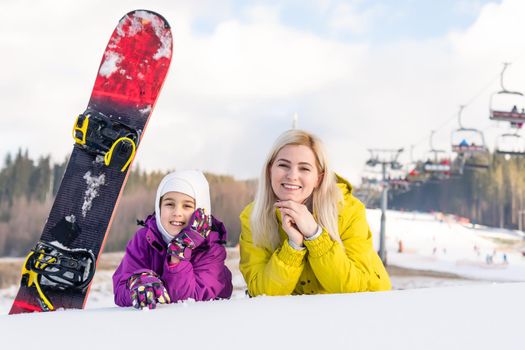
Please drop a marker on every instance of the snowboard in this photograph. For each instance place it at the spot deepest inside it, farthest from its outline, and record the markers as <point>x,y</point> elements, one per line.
<point>58,271</point>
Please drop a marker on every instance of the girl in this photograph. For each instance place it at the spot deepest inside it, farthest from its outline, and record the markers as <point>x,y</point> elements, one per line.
<point>179,254</point>
<point>306,233</point>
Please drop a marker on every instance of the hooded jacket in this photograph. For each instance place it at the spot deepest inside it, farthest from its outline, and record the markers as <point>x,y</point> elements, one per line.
<point>203,277</point>
<point>325,266</point>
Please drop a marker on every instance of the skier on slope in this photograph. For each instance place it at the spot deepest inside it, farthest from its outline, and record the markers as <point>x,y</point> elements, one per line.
<point>306,233</point>
<point>179,254</point>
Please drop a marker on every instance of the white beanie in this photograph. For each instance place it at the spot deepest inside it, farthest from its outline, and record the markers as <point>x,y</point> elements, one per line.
<point>190,182</point>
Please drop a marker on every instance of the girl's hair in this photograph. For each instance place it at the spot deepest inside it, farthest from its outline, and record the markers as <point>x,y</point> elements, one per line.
<point>325,198</point>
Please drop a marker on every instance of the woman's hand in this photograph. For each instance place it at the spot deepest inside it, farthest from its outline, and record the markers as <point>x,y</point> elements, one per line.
<point>298,218</point>
<point>291,230</point>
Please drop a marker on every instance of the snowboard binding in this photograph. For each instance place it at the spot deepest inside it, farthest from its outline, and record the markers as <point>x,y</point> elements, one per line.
<point>54,267</point>
<point>96,133</point>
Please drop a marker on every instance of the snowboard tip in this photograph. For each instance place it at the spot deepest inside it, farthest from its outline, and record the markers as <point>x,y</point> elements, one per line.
<point>148,15</point>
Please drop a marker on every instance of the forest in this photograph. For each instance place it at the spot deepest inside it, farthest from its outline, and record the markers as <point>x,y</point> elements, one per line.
<point>28,187</point>
<point>492,197</point>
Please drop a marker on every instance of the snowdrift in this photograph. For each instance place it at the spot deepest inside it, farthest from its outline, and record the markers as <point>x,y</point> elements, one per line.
<point>468,317</point>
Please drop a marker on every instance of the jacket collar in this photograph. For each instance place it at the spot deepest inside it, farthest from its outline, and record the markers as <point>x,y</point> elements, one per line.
<point>154,237</point>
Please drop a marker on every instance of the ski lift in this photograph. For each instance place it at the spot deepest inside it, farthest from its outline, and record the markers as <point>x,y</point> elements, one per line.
<point>436,166</point>
<point>417,175</point>
<point>397,179</point>
<point>414,173</point>
<point>467,140</point>
<point>506,105</point>
<point>370,178</point>
<point>439,170</point>
<point>373,160</point>
<point>399,185</point>
<point>510,144</point>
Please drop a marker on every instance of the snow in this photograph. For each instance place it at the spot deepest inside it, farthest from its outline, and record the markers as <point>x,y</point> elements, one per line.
<point>437,242</point>
<point>163,35</point>
<point>93,183</point>
<point>146,110</point>
<point>454,304</point>
<point>469,317</point>
<point>137,23</point>
<point>110,64</point>
<point>165,48</point>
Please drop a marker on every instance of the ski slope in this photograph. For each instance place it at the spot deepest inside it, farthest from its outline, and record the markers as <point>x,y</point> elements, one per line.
<point>438,242</point>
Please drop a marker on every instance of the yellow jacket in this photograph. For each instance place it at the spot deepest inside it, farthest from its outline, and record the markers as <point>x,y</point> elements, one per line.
<point>324,266</point>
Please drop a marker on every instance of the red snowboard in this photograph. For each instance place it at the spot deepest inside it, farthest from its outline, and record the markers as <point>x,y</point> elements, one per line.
<point>59,269</point>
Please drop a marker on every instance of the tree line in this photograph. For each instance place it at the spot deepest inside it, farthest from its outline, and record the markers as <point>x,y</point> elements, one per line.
<point>493,197</point>
<point>28,188</point>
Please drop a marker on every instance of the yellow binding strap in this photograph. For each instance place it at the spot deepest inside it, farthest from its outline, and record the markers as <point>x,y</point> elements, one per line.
<point>109,154</point>
<point>81,129</point>
<point>32,278</point>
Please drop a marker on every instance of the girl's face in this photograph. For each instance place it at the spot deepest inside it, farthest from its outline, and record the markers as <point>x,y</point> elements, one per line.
<point>175,211</point>
<point>294,174</point>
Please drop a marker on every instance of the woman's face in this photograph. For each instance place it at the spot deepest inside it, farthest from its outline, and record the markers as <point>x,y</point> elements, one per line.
<point>294,174</point>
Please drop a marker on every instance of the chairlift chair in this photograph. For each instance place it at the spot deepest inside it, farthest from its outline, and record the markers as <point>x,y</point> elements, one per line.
<point>372,162</point>
<point>417,175</point>
<point>510,144</point>
<point>506,105</point>
<point>437,164</point>
<point>467,140</point>
<point>438,170</point>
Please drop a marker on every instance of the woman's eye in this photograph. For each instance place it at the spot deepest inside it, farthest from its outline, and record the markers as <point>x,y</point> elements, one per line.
<point>305,169</point>
<point>282,165</point>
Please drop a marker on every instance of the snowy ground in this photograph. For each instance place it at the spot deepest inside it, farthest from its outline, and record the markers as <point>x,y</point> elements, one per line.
<point>451,294</point>
<point>439,243</point>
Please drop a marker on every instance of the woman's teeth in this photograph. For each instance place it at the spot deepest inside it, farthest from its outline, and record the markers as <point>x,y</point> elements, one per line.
<point>291,187</point>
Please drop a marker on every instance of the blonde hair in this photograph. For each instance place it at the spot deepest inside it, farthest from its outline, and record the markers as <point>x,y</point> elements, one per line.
<point>325,198</point>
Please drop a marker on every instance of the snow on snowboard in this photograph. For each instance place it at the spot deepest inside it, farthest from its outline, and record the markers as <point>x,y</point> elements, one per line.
<point>58,271</point>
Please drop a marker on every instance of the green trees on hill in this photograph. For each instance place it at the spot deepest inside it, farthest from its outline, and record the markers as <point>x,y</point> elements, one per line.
<point>492,197</point>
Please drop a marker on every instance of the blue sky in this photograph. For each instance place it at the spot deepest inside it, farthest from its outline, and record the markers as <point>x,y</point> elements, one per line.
<point>387,20</point>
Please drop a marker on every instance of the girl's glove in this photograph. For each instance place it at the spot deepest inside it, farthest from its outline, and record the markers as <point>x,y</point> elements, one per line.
<point>191,236</point>
<point>146,289</point>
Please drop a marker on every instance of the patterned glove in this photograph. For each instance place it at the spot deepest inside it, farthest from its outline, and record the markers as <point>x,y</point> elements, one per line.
<point>191,236</point>
<point>146,289</point>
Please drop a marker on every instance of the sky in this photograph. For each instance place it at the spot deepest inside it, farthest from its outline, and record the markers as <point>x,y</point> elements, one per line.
<point>359,74</point>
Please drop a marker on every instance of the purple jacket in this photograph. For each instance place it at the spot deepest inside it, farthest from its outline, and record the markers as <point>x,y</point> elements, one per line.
<point>203,277</point>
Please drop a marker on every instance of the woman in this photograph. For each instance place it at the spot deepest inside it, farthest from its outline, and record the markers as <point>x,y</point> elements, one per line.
<point>305,233</point>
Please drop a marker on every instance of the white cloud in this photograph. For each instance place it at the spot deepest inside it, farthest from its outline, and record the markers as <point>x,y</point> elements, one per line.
<point>261,58</point>
<point>233,89</point>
